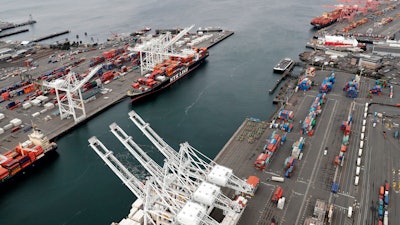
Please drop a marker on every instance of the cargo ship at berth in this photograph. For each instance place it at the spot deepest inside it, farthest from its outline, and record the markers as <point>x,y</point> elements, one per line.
<point>25,155</point>
<point>326,19</point>
<point>166,73</point>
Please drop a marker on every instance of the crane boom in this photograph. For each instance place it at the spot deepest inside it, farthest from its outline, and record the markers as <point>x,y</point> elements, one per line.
<point>134,185</point>
<point>192,160</point>
<point>87,78</point>
<point>178,36</point>
<point>173,177</point>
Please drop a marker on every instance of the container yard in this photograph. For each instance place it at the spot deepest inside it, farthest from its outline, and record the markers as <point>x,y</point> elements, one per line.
<point>314,159</point>
<point>56,90</point>
<point>329,155</point>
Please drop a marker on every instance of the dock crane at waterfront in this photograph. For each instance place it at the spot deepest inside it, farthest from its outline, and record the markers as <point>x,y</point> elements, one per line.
<point>154,51</point>
<point>161,205</point>
<point>192,162</point>
<point>170,177</point>
<point>71,85</point>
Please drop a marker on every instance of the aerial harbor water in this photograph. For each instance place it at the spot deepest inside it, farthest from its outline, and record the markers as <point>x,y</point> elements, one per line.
<point>205,108</point>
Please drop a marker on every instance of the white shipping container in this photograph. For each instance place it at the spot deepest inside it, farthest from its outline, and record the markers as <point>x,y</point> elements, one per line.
<point>363,129</point>
<point>2,116</point>
<point>358,170</point>
<point>278,179</point>
<point>358,161</point>
<point>8,126</point>
<point>26,105</point>
<point>364,122</point>
<point>49,105</point>
<point>42,98</point>
<point>35,114</point>
<point>16,122</point>
<point>36,102</point>
<point>365,115</point>
<point>356,179</point>
<point>360,151</point>
<point>361,144</point>
<point>362,136</point>
<point>350,212</point>
<point>281,203</point>
<point>1,130</point>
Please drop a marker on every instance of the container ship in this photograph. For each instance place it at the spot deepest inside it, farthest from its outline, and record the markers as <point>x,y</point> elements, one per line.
<point>25,155</point>
<point>166,73</point>
<point>326,19</point>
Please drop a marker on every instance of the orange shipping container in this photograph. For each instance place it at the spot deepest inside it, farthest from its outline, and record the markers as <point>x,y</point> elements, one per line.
<point>381,190</point>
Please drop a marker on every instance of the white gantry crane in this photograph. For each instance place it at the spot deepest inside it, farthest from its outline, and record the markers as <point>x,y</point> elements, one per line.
<point>161,205</point>
<point>71,86</point>
<point>155,50</point>
<point>191,162</point>
<point>202,192</point>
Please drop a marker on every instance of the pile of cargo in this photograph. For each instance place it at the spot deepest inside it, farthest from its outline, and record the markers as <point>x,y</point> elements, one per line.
<point>297,148</point>
<point>286,115</point>
<point>376,90</point>
<point>327,84</point>
<point>304,83</point>
<point>278,198</point>
<point>383,213</point>
<point>269,151</point>
<point>351,88</point>
<point>315,109</point>
<point>289,166</point>
<point>382,83</point>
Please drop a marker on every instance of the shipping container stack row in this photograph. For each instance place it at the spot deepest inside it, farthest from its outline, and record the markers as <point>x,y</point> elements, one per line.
<point>383,214</point>
<point>297,148</point>
<point>351,88</point>
<point>295,154</point>
<point>16,89</point>
<point>327,83</point>
<point>346,128</point>
<point>269,151</point>
<point>12,126</point>
<point>315,109</point>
